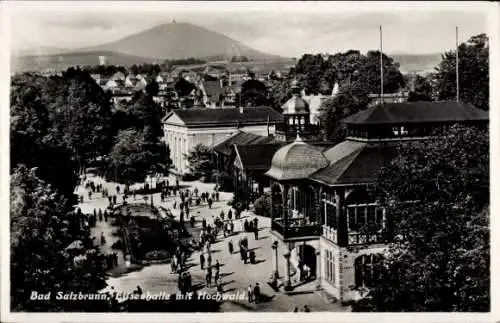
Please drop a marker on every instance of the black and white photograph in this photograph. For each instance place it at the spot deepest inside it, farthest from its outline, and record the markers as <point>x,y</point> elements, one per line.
<point>257,157</point>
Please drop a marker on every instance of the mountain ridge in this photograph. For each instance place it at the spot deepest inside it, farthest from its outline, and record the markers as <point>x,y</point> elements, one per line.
<point>168,41</point>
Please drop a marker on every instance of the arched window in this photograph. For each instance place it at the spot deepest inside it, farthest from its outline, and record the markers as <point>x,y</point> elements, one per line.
<point>366,270</point>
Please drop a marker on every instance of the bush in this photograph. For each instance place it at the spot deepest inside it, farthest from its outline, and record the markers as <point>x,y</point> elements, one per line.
<point>262,205</point>
<point>188,177</point>
<point>157,255</point>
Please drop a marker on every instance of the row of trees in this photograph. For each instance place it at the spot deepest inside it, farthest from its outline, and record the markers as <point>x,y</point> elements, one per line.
<point>359,76</point>
<point>58,125</point>
<point>145,69</point>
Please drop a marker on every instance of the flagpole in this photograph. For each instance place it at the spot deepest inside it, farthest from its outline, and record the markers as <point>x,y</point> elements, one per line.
<point>456,63</point>
<point>381,69</point>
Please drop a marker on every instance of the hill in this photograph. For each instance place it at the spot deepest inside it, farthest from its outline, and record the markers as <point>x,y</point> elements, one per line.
<point>417,63</point>
<point>64,60</point>
<point>181,40</point>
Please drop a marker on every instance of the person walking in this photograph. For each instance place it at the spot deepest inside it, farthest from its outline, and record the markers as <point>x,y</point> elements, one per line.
<point>217,266</point>
<point>103,239</point>
<point>209,260</point>
<point>230,247</point>
<point>210,203</point>
<point>208,279</point>
<point>216,278</point>
<point>219,285</point>
<point>230,214</point>
<point>172,265</point>
<point>245,255</point>
<point>256,293</point>
<point>256,233</point>
<point>250,293</point>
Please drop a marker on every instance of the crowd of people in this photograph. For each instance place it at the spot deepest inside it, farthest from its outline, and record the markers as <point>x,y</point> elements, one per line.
<point>222,226</point>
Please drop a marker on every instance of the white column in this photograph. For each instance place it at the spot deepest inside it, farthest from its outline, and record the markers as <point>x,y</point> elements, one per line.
<point>173,150</point>
<point>179,153</point>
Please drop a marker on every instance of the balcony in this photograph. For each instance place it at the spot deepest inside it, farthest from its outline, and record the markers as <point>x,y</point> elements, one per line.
<point>295,231</point>
<point>355,238</point>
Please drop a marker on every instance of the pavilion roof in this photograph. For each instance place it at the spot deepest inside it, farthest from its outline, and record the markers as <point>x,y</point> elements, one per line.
<point>241,138</point>
<point>257,156</point>
<point>354,163</point>
<point>418,112</point>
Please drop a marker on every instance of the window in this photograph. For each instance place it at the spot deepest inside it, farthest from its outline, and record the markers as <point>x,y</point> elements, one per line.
<point>329,266</point>
<point>331,215</point>
<point>366,270</point>
<point>361,215</point>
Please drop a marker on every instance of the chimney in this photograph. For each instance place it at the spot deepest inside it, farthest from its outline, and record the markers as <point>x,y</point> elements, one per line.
<point>241,109</point>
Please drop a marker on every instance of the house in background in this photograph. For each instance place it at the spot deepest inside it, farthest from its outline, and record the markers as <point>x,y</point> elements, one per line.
<point>185,128</point>
<point>213,93</point>
<point>130,81</point>
<point>118,76</point>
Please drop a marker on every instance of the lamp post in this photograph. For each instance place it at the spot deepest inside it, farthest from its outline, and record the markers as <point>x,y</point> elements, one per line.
<point>275,248</point>
<point>151,185</point>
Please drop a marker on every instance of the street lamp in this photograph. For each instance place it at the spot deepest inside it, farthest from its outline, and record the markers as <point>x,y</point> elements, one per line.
<point>275,248</point>
<point>151,185</point>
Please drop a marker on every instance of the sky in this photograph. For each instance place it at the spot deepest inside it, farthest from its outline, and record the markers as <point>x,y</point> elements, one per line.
<point>287,29</point>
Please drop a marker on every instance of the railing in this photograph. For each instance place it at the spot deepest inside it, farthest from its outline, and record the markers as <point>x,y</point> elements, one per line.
<point>364,238</point>
<point>295,231</point>
<point>330,234</point>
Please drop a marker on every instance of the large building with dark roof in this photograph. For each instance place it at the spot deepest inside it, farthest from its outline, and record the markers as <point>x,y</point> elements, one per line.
<point>185,128</point>
<point>320,205</point>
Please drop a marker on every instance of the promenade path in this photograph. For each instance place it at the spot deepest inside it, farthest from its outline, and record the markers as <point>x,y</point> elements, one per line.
<point>236,275</point>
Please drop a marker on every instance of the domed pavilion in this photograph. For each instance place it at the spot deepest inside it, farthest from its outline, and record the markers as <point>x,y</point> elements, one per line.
<point>296,118</point>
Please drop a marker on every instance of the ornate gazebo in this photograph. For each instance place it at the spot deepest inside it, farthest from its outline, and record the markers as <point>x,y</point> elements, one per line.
<point>293,213</point>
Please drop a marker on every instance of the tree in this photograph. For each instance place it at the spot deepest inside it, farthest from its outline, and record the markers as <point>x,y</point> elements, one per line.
<point>201,161</point>
<point>349,100</point>
<point>34,140</point>
<point>152,88</point>
<point>440,259</point>
<point>254,93</point>
<point>134,156</point>
<point>310,70</point>
<point>473,73</point>
<point>420,88</point>
<point>183,87</point>
<point>142,113</point>
<point>41,230</point>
